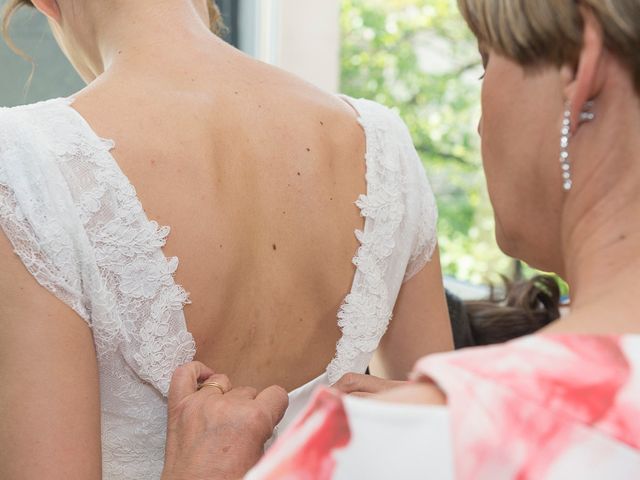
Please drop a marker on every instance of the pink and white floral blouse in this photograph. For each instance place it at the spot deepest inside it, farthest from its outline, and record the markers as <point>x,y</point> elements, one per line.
<point>542,407</point>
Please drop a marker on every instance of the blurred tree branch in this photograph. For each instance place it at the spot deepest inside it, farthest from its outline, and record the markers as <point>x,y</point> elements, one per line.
<point>416,57</point>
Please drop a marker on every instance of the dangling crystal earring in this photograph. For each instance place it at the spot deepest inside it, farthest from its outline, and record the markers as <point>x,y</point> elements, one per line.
<point>564,149</point>
<point>585,116</point>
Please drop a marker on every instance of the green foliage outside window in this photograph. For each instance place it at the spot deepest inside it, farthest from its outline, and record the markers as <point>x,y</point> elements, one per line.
<point>417,56</point>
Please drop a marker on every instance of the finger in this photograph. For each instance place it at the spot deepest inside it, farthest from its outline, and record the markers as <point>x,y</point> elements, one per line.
<point>185,381</point>
<point>361,394</point>
<point>249,393</point>
<point>275,401</point>
<point>353,382</point>
<point>214,383</point>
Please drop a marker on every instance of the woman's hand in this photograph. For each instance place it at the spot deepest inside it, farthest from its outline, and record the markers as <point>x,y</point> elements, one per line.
<point>211,434</point>
<point>391,391</point>
<point>365,385</point>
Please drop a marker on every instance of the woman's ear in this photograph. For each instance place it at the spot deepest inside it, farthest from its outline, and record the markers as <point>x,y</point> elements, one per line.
<point>49,8</point>
<point>584,83</point>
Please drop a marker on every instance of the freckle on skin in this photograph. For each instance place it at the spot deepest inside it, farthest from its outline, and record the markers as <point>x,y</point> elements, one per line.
<point>274,247</point>
<point>308,149</point>
<point>322,123</point>
<point>298,173</point>
<point>226,449</point>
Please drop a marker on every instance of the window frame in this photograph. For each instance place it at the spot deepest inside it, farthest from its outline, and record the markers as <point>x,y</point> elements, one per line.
<point>230,10</point>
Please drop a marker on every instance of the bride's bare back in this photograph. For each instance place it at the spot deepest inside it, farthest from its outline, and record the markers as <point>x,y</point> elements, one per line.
<point>257,174</point>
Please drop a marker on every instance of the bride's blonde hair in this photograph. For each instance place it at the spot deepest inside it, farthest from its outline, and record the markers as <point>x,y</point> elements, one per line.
<point>12,6</point>
<point>537,32</point>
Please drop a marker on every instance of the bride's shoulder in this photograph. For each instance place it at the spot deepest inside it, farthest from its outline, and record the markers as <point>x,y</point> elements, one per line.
<point>19,125</point>
<point>370,110</point>
<point>32,140</point>
<point>387,132</point>
<point>29,109</point>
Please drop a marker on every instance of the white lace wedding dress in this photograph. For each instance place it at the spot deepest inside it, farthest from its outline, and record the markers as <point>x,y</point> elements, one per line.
<point>76,223</point>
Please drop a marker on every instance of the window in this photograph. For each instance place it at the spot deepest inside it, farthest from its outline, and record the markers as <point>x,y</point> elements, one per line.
<point>230,12</point>
<point>421,59</point>
<point>53,76</point>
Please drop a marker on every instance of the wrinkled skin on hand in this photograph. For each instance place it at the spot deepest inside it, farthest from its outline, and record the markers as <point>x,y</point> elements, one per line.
<point>214,435</point>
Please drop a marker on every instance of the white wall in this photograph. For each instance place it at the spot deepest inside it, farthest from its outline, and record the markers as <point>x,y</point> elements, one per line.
<point>302,36</point>
<point>310,40</point>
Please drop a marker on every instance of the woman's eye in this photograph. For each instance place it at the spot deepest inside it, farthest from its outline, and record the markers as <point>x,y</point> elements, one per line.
<point>482,76</point>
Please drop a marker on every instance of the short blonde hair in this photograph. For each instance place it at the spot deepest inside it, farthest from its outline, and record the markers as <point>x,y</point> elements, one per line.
<point>537,32</point>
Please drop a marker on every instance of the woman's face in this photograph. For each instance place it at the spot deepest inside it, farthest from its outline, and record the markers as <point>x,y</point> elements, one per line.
<point>520,129</point>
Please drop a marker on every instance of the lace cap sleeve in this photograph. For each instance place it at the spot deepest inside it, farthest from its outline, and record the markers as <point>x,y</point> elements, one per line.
<point>36,211</point>
<point>422,212</point>
<point>426,236</point>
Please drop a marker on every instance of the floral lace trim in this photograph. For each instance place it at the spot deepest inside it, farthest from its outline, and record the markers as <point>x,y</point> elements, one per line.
<point>20,209</point>
<point>128,251</point>
<point>365,313</point>
<point>27,247</point>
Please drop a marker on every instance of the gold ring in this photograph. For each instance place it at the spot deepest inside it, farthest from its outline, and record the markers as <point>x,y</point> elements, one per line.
<point>214,385</point>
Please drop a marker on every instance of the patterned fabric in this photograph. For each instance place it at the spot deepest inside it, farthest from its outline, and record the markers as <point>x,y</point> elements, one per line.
<point>76,223</point>
<point>544,407</point>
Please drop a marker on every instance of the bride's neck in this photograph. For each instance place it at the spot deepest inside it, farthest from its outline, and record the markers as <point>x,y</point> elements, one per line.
<point>144,33</point>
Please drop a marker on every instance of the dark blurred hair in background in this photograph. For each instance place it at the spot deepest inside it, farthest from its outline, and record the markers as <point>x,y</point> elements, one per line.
<point>526,307</point>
